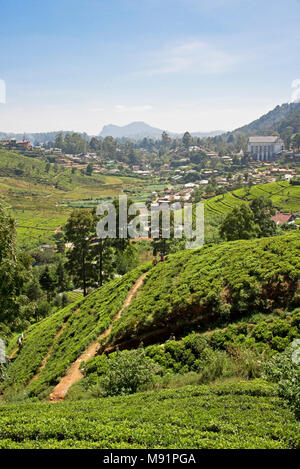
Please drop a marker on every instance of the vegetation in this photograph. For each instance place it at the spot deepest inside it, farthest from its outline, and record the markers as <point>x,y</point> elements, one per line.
<point>83,322</point>
<point>214,284</point>
<point>229,415</point>
<point>207,287</point>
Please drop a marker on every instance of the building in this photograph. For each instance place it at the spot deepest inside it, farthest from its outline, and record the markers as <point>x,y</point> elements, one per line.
<point>23,144</point>
<point>265,148</point>
<point>282,217</point>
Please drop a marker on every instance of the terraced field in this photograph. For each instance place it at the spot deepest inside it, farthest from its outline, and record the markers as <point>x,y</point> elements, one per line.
<point>285,197</point>
<point>41,201</point>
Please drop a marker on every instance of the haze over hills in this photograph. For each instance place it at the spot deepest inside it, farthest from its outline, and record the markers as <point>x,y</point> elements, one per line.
<point>283,119</point>
<point>138,130</point>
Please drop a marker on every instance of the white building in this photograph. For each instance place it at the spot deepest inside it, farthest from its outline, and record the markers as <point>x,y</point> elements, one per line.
<point>264,148</point>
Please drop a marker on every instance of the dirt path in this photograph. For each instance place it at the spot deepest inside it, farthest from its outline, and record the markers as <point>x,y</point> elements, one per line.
<point>48,353</point>
<point>13,353</point>
<point>74,374</point>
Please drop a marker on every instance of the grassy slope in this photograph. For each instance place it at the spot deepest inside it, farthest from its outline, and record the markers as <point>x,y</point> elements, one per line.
<point>36,203</point>
<point>86,319</point>
<point>203,286</point>
<point>220,281</point>
<point>228,415</point>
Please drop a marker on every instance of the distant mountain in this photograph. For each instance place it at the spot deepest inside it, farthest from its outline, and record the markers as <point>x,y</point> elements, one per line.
<point>135,130</point>
<point>284,119</point>
<point>139,130</point>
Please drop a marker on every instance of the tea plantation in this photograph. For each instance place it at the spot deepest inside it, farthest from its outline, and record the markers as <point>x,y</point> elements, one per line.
<point>233,307</point>
<point>227,415</point>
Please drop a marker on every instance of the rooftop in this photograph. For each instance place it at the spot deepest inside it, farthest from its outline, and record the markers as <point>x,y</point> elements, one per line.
<point>264,139</point>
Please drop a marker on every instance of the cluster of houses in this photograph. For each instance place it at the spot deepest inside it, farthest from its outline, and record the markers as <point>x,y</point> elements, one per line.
<point>13,143</point>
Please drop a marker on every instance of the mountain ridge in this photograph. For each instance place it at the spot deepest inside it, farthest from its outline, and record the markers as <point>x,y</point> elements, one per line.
<point>140,129</point>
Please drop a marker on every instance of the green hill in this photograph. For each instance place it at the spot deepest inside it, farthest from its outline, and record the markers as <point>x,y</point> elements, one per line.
<point>285,197</point>
<point>279,119</point>
<point>191,290</point>
<point>41,197</point>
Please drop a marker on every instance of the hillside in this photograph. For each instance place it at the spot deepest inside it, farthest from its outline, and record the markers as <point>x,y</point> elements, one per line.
<point>285,197</point>
<point>278,119</point>
<point>191,290</point>
<point>41,198</point>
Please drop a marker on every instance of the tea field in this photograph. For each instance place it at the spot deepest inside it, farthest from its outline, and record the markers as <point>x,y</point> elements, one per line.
<point>285,197</point>
<point>229,415</point>
<point>199,288</point>
<point>42,200</point>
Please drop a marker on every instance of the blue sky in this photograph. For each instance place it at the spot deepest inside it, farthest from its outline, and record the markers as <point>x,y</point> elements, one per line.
<point>175,64</point>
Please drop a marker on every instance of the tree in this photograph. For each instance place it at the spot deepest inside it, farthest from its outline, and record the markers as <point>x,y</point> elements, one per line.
<point>95,144</point>
<point>60,242</point>
<point>89,169</point>
<point>61,277</point>
<point>187,140</point>
<point>15,271</point>
<point>78,231</point>
<point>166,140</point>
<point>263,209</point>
<point>104,254</point>
<point>59,141</point>
<point>239,224</point>
<point>47,283</point>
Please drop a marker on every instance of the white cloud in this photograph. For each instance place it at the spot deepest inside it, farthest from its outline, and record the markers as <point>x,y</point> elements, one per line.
<point>295,97</point>
<point>192,56</point>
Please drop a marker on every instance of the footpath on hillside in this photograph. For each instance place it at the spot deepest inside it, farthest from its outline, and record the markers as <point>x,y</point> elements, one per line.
<point>74,373</point>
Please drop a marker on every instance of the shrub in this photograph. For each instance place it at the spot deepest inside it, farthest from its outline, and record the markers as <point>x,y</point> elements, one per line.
<point>284,369</point>
<point>127,371</point>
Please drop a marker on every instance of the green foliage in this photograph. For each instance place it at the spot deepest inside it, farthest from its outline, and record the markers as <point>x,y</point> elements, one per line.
<point>84,321</point>
<point>215,284</point>
<point>78,231</point>
<point>230,415</point>
<point>263,209</point>
<point>128,371</point>
<point>14,272</point>
<point>239,224</point>
<point>284,369</point>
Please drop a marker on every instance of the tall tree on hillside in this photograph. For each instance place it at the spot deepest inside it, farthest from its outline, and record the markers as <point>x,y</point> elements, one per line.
<point>78,231</point>
<point>14,272</point>
<point>187,140</point>
<point>239,224</point>
<point>61,277</point>
<point>47,282</point>
<point>59,141</point>
<point>95,144</point>
<point>166,140</point>
<point>104,257</point>
<point>263,209</point>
